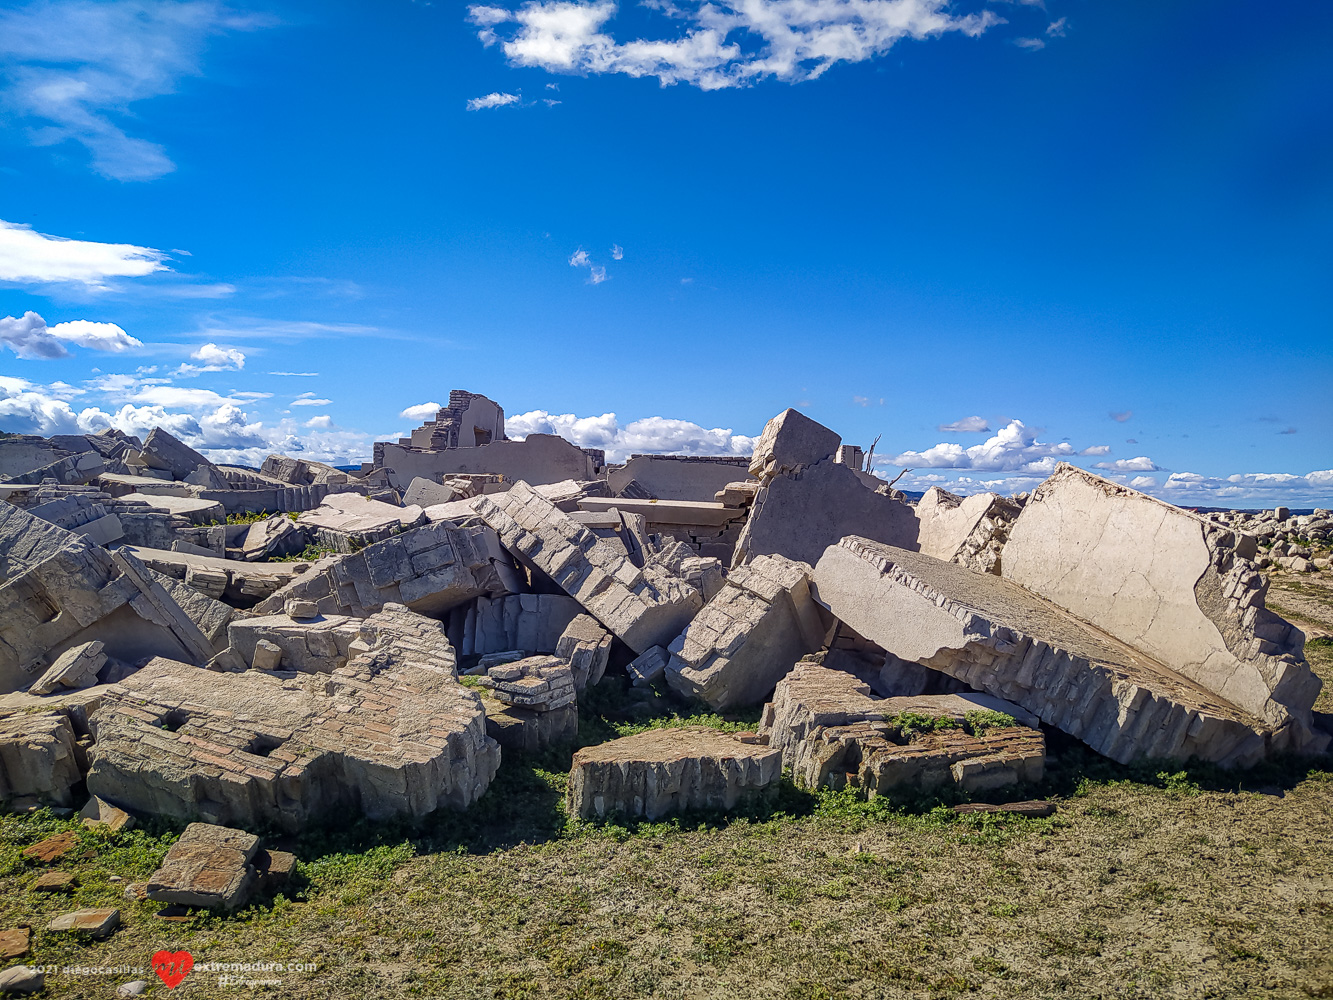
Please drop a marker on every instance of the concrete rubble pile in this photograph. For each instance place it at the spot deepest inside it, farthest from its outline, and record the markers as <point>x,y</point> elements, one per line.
<point>282,645</point>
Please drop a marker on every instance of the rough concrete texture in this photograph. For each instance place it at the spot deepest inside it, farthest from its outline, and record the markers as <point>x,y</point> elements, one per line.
<point>704,573</point>
<point>39,758</point>
<point>426,493</point>
<point>649,665</point>
<point>790,442</point>
<point>971,532</point>
<point>569,493</point>
<point>163,451</point>
<point>536,683</point>
<point>801,514</point>
<point>76,667</point>
<point>538,458</point>
<point>663,771</point>
<point>348,521</point>
<point>533,622</point>
<point>586,647</point>
<point>271,537</point>
<point>748,636</point>
<point>97,923</point>
<point>312,646</point>
<point>1173,584</point>
<point>208,866</point>
<point>998,638</point>
<point>240,583</point>
<point>101,814</point>
<point>430,569</point>
<point>677,477</point>
<point>390,732</point>
<point>643,607</point>
<point>831,730</point>
<point>524,730</point>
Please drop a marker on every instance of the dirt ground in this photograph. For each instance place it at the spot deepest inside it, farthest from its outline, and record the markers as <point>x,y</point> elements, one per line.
<point>1149,882</point>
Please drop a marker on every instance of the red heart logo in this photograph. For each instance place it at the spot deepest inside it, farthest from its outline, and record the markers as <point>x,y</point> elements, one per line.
<point>172,966</point>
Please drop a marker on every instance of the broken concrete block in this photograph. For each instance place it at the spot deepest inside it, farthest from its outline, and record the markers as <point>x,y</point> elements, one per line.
<point>427,493</point>
<point>831,731</point>
<point>1001,639</point>
<point>567,494</point>
<point>22,979</point>
<point>391,732</point>
<point>643,608</point>
<point>272,537</point>
<point>348,521</point>
<point>275,869</point>
<point>309,646</point>
<point>799,515</point>
<point>971,532</point>
<point>648,666</point>
<point>748,636</point>
<point>267,655</point>
<point>95,923</point>
<point>38,757</point>
<point>163,451</point>
<point>663,771</point>
<point>209,866</point>
<point>537,683</point>
<point>790,442</point>
<point>585,646</point>
<point>301,610</point>
<point>431,569</point>
<point>76,667</point>
<point>1170,583</point>
<point>533,622</point>
<point>101,813</point>
<point>524,730</point>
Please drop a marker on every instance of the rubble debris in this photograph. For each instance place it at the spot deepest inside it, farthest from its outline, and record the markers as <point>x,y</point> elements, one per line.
<point>168,453</point>
<point>208,866</point>
<point>1001,639</point>
<point>1192,599</point>
<point>831,731</point>
<point>586,647</point>
<point>98,923</point>
<point>313,646</point>
<point>971,532</point>
<point>568,495</point>
<point>538,683</point>
<point>704,573</point>
<point>427,493</point>
<point>390,732</point>
<point>790,442</point>
<point>663,771</point>
<point>431,569</point>
<point>275,868</point>
<point>531,622</point>
<point>274,536</point>
<point>22,979</point>
<point>643,607</point>
<point>53,848</point>
<point>14,943</point>
<point>648,666</point>
<point>99,813</point>
<point>76,667</point>
<point>748,636</point>
<point>239,583</point>
<point>707,527</point>
<point>53,881</point>
<point>675,477</point>
<point>38,758</point>
<point>302,471</point>
<point>347,521</point>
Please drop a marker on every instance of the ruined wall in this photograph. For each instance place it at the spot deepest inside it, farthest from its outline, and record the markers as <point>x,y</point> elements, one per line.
<point>679,477</point>
<point>538,459</point>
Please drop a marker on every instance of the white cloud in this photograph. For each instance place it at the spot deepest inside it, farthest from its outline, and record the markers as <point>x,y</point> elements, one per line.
<point>79,65</point>
<point>97,336</point>
<point>1014,448</point>
<point>727,43</point>
<point>580,258</point>
<point>596,275</point>
<point>968,425</point>
<point>215,359</point>
<point>1251,489</point>
<point>27,255</point>
<point>1097,449</point>
<point>297,374</point>
<point>421,412</point>
<point>1058,29</point>
<point>496,100</point>
<point>651,435</point>
<point>1143,482</point>
<point>323,421</point>
<point>310,399</point>
<point>1141,464</point>
<point>617,252</point>
<point>1032,44</point>
<point>29,337</point>
<point>1121,417</point>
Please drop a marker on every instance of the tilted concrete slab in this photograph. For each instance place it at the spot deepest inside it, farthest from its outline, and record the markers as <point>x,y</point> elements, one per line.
<point>790,442</point>
<point>643,607</point>
<point>970,531</point>
<point>1001,639</point>
<point>391,732</point>
<point>1168,582</point>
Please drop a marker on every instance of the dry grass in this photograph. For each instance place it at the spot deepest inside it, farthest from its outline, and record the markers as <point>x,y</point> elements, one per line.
<point>1150,882</point>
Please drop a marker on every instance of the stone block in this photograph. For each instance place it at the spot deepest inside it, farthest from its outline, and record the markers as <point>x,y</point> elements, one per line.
<point>99,813</point>
<point>790,442</point>
<point>15,942</point>
<point>524,730</point>
<point>536,683</point>
<point>22,980</point>
<point>586,646</point>
<point>76,667</point>
<point>663,771</point>
<point>38,757</point>
<point>971,532</point>
<point>208,866</point>
<point>97,923</point>
<point>648,666</point>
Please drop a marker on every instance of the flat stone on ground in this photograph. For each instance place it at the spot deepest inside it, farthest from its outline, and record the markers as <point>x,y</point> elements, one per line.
<point>209,866</point>
<point>97,923</point>
<point>53,848</point>
<point>15,942</point>
<point>55,881</point>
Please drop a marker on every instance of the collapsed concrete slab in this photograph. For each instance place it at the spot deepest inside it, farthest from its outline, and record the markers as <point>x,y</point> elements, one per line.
<point>677,477</point>
<point>239,583</point>
<point>531,622</point>
<point>663,771</point>
<point>391,732</point>
<point>831,731</point>
<point>790,442</point>
<point>39,758</point>
<point>76,667</point>
<point>1172,584</point>
<point>164,451</point>
<point>431,569</point>
<point>643,607</point>
<point>586,646</point>
<point>346,522</point>
<point>971,532</point>
<point>748,636</point>
<point>208,866</point>
<point>537,683</point>
<point>1001,639</point>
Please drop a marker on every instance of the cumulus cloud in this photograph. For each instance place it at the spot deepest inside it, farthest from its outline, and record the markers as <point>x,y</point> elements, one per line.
<point>496,100</point>
<point>1143,482</point>
<point>1262,489</point>
<point>579,258</point>
<point>1141,464</point>
<point>29,337</point>
<point>651,435</point>
<point>78,65</point>
<point>727,43</point>
<point>1013,448</point>
<point>421,412</point>
<point>213,359</point>
<point>1097,449</point>
<point>968,425</point>
<point>596,275</point>
<point>27,255</point>
<point>321,421</point>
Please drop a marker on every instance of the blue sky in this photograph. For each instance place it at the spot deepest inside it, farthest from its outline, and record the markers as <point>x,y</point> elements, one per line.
<point>996,235</point>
